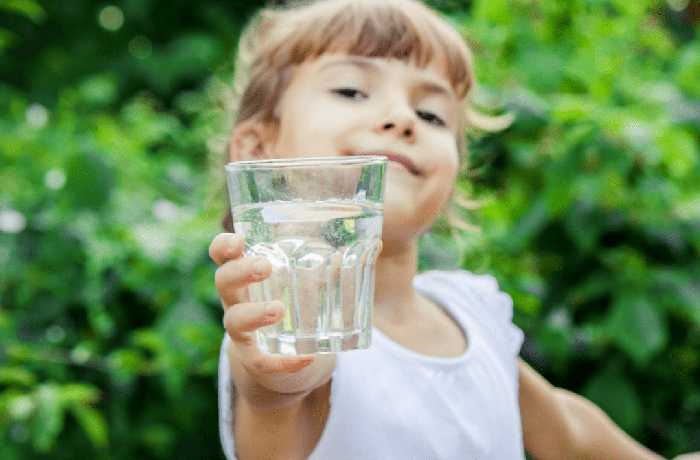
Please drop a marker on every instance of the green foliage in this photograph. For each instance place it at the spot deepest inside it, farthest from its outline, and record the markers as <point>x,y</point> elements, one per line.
<point>109,326</point>
<point>109,321</point>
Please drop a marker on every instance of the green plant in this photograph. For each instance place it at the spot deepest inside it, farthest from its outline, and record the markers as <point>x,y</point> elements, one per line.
<point>109,321</point>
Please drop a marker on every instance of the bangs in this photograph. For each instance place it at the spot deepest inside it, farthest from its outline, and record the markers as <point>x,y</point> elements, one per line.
<point>403,30</point>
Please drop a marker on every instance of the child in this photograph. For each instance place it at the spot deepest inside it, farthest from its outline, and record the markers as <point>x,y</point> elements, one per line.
<point>442,379</point>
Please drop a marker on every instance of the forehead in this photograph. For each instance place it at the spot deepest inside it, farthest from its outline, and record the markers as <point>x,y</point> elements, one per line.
<point>402,30</point>
<point>432,77</point>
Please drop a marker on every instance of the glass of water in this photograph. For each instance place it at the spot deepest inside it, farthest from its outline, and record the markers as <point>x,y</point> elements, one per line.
<point>318,220</point>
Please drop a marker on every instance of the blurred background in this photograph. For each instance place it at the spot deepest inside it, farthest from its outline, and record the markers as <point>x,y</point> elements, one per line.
<point>589,213</point>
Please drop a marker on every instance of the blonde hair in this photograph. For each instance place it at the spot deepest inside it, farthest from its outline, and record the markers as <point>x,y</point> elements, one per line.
<point>279,38</point>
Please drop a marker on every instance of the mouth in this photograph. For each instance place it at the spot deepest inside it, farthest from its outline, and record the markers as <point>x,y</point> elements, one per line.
<point>406,162</point>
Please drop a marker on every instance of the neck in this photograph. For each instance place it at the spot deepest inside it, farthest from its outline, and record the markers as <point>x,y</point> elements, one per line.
<point>395,298</point>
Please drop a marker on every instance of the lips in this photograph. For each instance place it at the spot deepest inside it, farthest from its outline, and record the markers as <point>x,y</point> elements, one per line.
<point>400,159</point>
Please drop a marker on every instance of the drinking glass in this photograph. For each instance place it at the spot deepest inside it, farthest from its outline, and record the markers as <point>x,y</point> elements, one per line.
<point>318,220</point>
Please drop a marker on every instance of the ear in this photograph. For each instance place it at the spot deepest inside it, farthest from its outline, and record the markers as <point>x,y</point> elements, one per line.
<point>250,140</point>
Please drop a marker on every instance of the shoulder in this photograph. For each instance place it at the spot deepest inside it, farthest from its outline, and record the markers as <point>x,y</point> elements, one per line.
<point>478,290</point>
<point>480,297</point>
<point>461,277</point>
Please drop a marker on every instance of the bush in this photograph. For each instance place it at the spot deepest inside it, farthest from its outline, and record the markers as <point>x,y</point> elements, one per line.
<point>109,321</point>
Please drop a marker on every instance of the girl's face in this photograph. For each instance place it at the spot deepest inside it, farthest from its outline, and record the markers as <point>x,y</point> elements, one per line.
<point>348,105</point>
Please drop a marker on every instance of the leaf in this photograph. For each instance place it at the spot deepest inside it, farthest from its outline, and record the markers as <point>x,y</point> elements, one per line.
<point>679,289</point>
<point>27,8</point>
<point>93,423</point>
<point>89,181</point>
<point>689,69</point>
<point>568,108</point>
<point>188,56</point>
<point>637,326</point>
<point>584,225</point>
<point>98,90</point>
<point>127,362</point>
<point>528,225</point>
<point>494,11</point>
<point>149,340</point>
<point>157,437</point>
<point>18,406</point>
<point>15,375</point>
<point>678,151</point>
<point>591,288</point>
<point>616,395</point>
<point>77,393</point>
<point>49,417</point>
<point>7,38</point>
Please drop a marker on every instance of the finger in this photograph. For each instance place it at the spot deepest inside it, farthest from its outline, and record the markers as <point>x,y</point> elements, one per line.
<point>273,364</point>
<point>242,319</point>
<point>226,246</point>
<point>236,274</point>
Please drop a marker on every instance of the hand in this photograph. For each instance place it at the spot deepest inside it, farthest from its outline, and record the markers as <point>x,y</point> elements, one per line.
<point>241,317</point>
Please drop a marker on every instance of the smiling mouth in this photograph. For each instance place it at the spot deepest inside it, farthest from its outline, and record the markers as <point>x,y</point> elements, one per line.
<point>400,159</point>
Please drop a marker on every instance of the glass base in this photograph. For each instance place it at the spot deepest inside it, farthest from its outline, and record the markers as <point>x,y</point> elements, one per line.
<point>292,345</point>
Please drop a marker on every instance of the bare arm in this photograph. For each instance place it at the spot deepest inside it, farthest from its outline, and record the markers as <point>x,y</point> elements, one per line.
<point>558,424</point>
<point>285,422</point>
<point>287,433</point>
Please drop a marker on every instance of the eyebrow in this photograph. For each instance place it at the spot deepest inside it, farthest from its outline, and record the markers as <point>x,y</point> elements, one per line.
<point>427,85</point>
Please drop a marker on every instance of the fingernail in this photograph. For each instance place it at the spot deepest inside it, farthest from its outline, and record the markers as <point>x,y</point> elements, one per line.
<point>294,365</point>
<point>271,309</point>
<point>233,244</point>
<point>259,267</point>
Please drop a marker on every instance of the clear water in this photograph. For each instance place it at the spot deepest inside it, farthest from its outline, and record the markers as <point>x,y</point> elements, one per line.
<point>323,256</point>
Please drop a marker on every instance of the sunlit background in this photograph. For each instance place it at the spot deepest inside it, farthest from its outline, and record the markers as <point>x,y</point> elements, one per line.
<point>588,208</point>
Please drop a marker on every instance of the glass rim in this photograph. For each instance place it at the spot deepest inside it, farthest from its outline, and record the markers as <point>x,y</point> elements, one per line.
<point>279,163</point>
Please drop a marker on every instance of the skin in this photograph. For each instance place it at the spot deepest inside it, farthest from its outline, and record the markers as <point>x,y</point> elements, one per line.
<point>341,105</point>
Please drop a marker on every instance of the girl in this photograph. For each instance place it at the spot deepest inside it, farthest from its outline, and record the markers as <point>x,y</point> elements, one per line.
<point>442,379</point>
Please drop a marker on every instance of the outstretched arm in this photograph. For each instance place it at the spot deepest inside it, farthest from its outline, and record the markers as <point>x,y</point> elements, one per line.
<point>558,424</point>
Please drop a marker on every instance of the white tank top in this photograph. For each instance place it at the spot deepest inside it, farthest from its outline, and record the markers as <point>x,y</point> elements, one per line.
<point>389,402</point>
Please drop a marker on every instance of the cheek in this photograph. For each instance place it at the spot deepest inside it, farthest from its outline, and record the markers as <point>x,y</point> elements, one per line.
<point>446,157</point>
<point>441,177</point>
<point>412,206</point>
<point>310,127</point>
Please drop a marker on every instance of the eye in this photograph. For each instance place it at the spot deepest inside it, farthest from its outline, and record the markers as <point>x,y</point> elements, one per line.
<point>430,118</point>
<point>350,93</point>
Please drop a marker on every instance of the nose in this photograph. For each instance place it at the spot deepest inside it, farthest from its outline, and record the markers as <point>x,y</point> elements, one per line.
<point>400,124</point>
